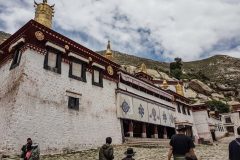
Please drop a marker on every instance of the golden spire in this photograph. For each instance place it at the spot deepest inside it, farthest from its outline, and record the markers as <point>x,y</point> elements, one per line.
<point>164,84</point>
<point>143,68</point>
<point>179,89</point>
<point>44,13</point>
<point>108,54</point>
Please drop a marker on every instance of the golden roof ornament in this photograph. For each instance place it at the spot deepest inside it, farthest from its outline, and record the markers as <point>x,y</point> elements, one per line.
<point>108,54</point>
<point>44,13</point>
<point>164,84</point>
<point>179,89</point>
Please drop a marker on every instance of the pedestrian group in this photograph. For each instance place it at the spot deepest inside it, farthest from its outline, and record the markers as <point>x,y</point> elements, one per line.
<point>181,148</point>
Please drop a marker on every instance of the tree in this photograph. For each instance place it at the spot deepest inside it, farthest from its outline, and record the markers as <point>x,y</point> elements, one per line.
<point>218,105</point>
<point>176,68</point>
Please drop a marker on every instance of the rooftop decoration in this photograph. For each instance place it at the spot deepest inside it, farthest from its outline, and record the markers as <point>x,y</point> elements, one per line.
<point>44,13</point>
<point>108,54</point>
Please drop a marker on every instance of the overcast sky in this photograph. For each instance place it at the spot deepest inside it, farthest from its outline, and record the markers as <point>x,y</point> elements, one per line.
<point>156,29</point>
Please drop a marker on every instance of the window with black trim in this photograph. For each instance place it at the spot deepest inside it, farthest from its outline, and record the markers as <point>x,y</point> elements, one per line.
<point>97,77</point>
<point>53,60</point>
<point>178,107</point>
<point>77,70</point>
<point>183,109</point>
<point>16,58</point>
<point>73,103</point>
<point>188,111</point>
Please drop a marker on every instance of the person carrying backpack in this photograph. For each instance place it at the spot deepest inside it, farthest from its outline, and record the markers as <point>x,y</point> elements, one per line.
<point>106,151</point>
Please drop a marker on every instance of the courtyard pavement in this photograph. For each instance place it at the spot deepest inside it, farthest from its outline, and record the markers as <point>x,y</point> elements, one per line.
<point>217,151</point>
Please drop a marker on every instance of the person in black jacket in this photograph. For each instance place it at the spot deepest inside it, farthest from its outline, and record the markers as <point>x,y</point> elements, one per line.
<point>234,147</point>
<point>24,147</point>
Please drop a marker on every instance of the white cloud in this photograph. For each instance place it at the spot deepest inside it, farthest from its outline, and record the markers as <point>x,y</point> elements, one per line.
<point>186,28</point>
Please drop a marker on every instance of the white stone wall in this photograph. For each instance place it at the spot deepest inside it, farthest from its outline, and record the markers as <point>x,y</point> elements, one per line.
<point>201,123</point>
<point>41,110</point>
<point>236,120</point>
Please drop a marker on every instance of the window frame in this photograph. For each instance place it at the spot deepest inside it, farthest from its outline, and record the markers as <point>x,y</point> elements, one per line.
<point>84,69</point>
<point>58,67</point>
<point>16,58</point>
<point>100,84</point>
<point>76,107</point>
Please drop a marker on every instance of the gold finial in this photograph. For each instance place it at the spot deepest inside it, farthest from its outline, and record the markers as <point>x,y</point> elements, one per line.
<point>108,54</point>
<point>164,84</point>
<point>44,13</point>
<point>179,89</point>
<point>143,68</point>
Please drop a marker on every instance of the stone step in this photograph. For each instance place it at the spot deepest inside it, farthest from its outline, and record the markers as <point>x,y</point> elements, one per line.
<point>147,142</point>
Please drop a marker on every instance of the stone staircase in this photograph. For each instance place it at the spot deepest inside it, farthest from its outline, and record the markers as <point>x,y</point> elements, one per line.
<point>146,142</point>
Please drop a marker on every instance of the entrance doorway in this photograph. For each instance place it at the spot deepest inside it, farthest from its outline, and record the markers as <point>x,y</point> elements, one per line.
<point>213,135</point>
<point>126,127</point>
<point>160,131</point>
<point>170,132</point>
<point>137,129</point>
<point>150,130</point>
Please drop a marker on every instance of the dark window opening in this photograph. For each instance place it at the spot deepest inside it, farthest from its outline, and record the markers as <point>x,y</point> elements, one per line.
<point>53,60</point>
<point>97,77</point>
<point>178,108</point>
<point>77,70</point>
<point>228,120</point>
<point>73,103</point>
<point>183,109</point>
<point>188,111</point>
<point>16,58</point>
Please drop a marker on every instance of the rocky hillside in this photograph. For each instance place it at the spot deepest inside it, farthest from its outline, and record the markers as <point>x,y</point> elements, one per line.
<point>3,36</point>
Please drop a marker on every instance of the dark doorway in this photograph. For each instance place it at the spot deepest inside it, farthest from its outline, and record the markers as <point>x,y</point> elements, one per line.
<point>160,131</point>
<point>230,129</point>
<point>126,127</point>
<point>137,129</point>
<point>170,132</point>
<point>150,130</point>
<point>213,135</point>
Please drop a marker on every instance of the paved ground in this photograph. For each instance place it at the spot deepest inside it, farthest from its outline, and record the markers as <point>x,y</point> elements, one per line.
<point>218,151</point>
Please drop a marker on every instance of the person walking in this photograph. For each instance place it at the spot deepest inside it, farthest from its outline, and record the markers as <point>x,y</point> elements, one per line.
<point>129,154</point>
<point>106,151</point>
<point>234,147</point>
<point>181,145</point>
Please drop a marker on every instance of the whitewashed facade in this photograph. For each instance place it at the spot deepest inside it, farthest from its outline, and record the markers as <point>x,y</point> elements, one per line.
<point>34,103</point>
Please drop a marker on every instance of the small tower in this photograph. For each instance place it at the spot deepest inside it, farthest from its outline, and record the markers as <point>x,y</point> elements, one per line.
<point>179,89</point>
<point>108,54</point>
<point>44,13</point>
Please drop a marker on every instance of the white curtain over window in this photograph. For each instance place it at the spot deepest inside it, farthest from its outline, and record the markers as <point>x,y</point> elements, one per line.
<point>77,69</point>
<point>96,76</point>
<point>52,59</point>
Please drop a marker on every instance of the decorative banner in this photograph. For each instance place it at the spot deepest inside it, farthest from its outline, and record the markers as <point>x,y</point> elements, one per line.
<point>153,114</point>
<point>164,116</point>
<point>140,110</point>
<point>125,106</point>
<point>171,115</point>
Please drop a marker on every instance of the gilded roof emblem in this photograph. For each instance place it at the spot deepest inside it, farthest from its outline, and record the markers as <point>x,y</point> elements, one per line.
<point>110,70</point>
<point>39,35</point>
